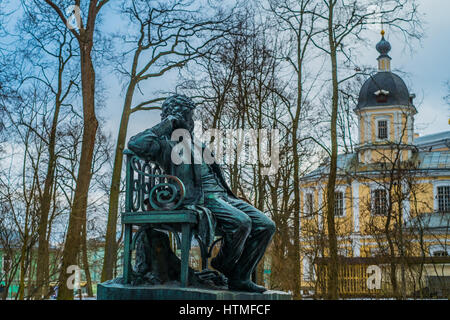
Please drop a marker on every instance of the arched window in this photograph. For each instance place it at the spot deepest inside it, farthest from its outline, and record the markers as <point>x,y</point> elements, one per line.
<point>339,204</point>
<point>308,269</point>
<point>309,204</point>
<point>379,202</point>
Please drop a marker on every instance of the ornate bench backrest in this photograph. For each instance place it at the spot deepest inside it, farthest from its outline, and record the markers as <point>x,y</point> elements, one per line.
<point>148,188</point>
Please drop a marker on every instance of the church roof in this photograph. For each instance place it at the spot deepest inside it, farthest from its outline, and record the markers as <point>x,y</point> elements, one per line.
<point>386,89</point>
<point>434,160</point>
<point>344,162</point>
<point>397,92</point>
<point>347,164</point>
<point>433,141</point>
<point>435,221</point>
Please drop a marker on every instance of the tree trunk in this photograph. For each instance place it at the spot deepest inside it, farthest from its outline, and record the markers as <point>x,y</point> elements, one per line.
<point>23,252</point>
<point>296,209</point>
<point>296,164</point>
<point>332,291</point>
<point>42,263</point>
<point>110,259</point>
<point>78,214</point>
<point>85,262</point>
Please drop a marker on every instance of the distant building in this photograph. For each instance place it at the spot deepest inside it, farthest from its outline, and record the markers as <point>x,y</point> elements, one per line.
<point>10,268</point>
<point>392,197</point>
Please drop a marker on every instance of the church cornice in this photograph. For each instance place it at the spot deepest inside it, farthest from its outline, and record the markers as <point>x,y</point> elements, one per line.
<point>385,145</point>
<point>388,108</point>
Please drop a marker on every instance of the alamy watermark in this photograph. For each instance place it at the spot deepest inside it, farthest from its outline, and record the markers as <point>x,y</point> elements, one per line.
<point>74,280</point>
<point>74,17</point>
<point>230,146</point>
<point>374,280</point>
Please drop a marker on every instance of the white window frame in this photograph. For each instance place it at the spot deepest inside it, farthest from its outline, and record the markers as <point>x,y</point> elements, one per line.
<point>388,127</point>
<point>373,200</point>
<point>304,207</point>
<point>344,208</point>
<point>436,184</point>
<point>376,186</point>
<point>309,273</point>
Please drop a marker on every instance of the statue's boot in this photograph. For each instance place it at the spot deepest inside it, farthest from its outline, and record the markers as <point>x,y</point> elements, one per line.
<point>245,285</point>
<point>219,266</point>
<point>234,281</point>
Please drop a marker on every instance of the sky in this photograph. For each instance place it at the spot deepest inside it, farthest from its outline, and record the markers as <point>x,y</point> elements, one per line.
<point>425,70</point>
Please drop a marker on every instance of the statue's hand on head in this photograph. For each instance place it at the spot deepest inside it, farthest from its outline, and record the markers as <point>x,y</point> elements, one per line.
<point>178,122</point>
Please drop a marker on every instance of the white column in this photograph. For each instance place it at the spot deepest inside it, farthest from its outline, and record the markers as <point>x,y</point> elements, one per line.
<point>302,204</point>
<point>405,205</point>
<point>319,201</point>
<point>355,194</point>
<point>410,128</point>
<point>355,235</point>
<point>396,127</point>
<point>356,245</point>
<point>367,128</point>
<point>360,127</point>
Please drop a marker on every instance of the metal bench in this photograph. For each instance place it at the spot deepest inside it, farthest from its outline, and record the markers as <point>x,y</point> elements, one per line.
<point>153,197</point>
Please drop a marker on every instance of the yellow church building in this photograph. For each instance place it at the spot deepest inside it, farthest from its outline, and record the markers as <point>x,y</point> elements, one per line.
<point>392,201</point>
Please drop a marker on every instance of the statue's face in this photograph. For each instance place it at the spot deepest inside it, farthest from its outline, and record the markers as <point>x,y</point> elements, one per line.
<point>186,114</point>
<point>189,121</point>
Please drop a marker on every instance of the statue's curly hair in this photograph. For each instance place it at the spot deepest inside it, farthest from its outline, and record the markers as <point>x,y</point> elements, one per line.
<point>179,101</point>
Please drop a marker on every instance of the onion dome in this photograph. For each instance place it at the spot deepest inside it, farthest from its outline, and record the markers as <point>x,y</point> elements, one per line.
<point>383,47</point>
<point>384,88</point>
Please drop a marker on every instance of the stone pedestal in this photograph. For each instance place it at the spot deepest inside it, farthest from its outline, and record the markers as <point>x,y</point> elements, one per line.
<point>114,291</point>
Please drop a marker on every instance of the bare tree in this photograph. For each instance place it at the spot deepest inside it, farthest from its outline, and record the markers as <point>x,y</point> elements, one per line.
<point>20,184</point>
<point>84,33</point>
<point>294,19</point>
<point>10,242</point>
<point>46,43</point>
<point>167,35</point>
<point>240,88</point>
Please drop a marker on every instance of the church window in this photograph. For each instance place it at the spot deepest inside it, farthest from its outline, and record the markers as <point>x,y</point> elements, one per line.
<point>443,195</point>
<point>309,204</point>
<point>339,204</point>
<point>382,129</point>
<point>379,202</point>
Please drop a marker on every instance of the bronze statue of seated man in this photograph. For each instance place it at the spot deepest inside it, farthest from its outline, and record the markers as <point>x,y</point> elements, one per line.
<point>246,230</point>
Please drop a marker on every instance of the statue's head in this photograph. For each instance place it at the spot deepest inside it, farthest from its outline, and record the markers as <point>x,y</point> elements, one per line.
<point>179,106</point>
